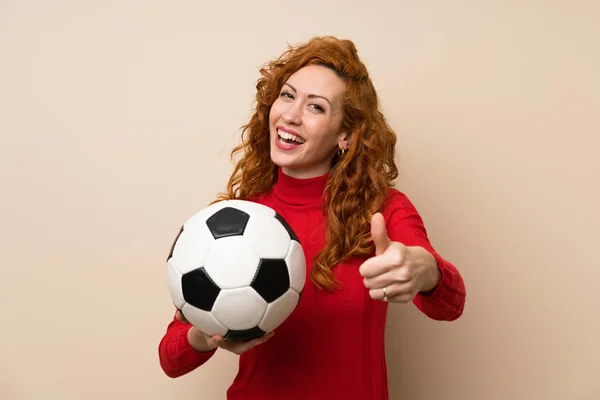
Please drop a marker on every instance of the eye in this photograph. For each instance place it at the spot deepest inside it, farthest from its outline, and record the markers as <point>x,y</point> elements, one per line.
<point>286,94</point>
<point>317,107</point>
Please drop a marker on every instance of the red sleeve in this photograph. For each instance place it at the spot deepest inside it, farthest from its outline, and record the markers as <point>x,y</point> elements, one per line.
<point>404,224</point>
<point>176,356</point>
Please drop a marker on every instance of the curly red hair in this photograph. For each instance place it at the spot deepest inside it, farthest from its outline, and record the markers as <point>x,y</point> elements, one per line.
<point>359,181</point>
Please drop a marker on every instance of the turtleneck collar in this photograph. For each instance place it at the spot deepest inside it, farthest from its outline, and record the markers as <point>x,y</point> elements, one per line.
<point>299,192</point>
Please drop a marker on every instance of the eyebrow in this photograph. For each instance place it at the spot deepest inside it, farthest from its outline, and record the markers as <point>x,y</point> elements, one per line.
<point>311,96</point>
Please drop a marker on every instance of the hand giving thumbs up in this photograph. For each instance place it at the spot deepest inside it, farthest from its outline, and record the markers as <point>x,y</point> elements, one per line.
<point>397,273</point>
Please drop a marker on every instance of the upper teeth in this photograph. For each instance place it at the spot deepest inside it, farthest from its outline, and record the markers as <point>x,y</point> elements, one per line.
<point>289,136</point>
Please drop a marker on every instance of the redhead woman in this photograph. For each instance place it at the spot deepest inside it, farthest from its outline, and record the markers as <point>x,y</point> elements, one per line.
<point>319,152</point>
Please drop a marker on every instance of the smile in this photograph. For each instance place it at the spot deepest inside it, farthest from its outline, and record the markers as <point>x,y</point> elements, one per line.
<point>289,138</point>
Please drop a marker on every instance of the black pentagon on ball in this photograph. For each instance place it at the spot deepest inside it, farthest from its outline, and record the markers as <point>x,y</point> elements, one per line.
<point>287,227</point>
<point>244,335</point>
<point>272,279</point>
<point>227,221</point>
<point>174,241</point>
<point>199,290</point>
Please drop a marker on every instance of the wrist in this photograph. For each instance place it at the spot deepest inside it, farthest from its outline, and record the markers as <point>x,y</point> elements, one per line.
<point>434,274</point>
<point>197,340</point>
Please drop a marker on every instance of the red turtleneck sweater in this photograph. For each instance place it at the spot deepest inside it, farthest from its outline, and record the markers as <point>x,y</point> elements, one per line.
<point>332,346</point>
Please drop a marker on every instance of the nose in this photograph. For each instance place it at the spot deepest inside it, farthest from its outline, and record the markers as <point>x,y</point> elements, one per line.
<point>293,113</point>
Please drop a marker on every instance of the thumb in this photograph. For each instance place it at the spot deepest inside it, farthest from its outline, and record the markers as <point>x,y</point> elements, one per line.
<point>379,233</point>
<point>214,341</point>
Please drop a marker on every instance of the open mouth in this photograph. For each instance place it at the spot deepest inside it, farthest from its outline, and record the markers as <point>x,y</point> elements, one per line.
<point>289,138</point>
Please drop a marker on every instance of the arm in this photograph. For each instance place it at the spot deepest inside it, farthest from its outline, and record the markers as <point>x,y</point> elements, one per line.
<point>177,357</point>
<point>447,299</point>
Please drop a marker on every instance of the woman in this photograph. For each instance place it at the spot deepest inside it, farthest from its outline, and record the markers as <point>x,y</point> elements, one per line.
<point>319,152</point>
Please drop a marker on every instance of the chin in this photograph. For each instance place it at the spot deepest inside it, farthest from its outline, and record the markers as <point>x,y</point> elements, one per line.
<point>280,160</point>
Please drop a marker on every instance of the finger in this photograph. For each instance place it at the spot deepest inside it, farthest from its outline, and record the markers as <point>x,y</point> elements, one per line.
<point>402,298</point>
<point>379,234</point>
<point>263,339</point>
<point>214,340</point>
<point>375,266</point>
<point>241,347</point>
<point>393,291</point>
<point>258,341</point>
<point>385,279</point>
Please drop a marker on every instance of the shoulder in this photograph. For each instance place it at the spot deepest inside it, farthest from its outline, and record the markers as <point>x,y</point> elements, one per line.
<point>401,216</point>
<point>395,201</point>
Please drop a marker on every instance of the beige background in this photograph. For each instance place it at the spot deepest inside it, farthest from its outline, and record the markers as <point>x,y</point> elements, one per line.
<point>117,118</point>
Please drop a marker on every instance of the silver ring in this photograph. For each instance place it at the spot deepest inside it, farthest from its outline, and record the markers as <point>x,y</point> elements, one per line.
<point>385,294</point>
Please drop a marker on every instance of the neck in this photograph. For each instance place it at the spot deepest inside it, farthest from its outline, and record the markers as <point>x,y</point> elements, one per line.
<point>301,191</point>
<point>305,174</point>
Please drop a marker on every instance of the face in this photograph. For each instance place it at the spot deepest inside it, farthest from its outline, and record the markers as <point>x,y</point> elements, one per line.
<point>305,122</point>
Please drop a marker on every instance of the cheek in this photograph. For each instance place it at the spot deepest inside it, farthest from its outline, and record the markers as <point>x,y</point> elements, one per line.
<point>275,112</point>
<point>324,133</point>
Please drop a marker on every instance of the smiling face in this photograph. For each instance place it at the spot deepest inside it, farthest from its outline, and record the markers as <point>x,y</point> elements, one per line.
<point>305,122</point>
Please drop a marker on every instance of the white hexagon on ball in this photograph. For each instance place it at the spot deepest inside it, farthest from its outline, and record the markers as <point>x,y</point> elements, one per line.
<point>279,310</point>
<point>239,309</point>
<point>296,263</point>
<point>191,248</point>
<point>203,320</point>
<point>174,281</point>
<point>231,262</point>
<point>268,237</point>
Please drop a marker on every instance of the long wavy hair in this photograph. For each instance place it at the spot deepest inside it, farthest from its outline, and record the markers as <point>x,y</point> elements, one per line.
<point>359,180</point>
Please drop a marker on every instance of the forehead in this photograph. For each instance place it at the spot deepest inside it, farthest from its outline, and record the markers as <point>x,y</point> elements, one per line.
<point>318,80</point>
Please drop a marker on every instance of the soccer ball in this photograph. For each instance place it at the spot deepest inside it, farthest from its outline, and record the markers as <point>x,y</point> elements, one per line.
<point>236,269</point>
